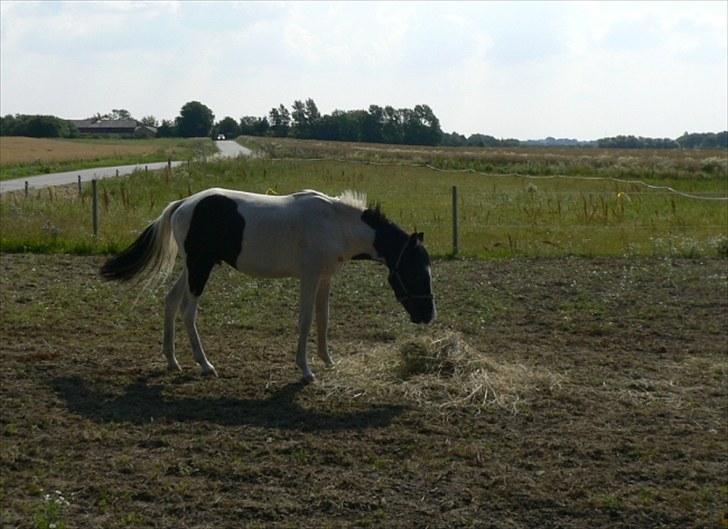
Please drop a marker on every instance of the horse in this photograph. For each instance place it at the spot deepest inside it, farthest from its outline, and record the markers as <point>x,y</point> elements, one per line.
<point>306,235</point>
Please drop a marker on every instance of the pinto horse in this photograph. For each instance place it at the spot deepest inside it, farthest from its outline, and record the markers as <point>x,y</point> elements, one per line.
<point>307,235</point>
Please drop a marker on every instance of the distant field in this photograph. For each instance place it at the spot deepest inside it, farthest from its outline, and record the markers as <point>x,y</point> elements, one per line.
<point>533,161</point>
<point>21,156</point>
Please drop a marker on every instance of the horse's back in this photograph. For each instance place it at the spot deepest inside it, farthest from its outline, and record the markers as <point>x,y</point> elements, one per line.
<point>261,235</point>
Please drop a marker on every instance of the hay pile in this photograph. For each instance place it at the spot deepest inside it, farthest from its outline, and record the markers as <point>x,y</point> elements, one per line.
<point>442,372</point>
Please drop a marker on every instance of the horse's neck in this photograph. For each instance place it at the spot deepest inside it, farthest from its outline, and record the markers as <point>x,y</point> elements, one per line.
<point>389,242</point>
<point>383,239</point>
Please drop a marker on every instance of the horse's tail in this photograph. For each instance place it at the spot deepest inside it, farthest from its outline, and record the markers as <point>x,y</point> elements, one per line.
<point>151,255</point>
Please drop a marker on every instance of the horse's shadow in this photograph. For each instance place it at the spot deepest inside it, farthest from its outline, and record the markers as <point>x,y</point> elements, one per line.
<point>143,402</point>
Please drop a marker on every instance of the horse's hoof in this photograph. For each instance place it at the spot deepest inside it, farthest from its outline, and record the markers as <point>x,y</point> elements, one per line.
<point>308,378</point>
<point>174,368</point>
<point>211,372</point>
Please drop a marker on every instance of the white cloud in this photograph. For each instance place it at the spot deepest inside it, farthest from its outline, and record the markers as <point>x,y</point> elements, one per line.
<point>522,69</point>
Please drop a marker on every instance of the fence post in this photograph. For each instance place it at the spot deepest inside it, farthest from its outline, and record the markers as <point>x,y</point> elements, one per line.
<point>26,189</point>
<point>79,185</point>
<point>455,241</point>
<point>117,173</point>
<point>95,207</point>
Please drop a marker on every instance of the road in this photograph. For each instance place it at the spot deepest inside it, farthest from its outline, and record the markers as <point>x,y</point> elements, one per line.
<point>227,149</point>
<point>231,149</point>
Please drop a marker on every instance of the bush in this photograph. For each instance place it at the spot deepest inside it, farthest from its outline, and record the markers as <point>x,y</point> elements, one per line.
<point>37,126</point>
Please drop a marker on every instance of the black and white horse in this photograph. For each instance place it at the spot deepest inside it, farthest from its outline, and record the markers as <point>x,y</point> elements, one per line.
<point>307,235</point>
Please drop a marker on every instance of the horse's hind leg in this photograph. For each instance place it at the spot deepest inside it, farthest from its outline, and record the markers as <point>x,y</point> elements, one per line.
<point>189,315</point>
<point>171,306</point>
<point>309,286</point>
<point>322,320</point>
<point>197,274</point>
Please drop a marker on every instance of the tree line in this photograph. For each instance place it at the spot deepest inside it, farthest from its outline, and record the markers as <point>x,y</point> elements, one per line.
<point>377,124</point>
<point>704,140</point>
<point>37,126</point>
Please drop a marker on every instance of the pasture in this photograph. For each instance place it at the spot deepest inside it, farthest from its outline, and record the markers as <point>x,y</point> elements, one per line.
<point>607,403</point>
<point>20,156</point>
<point>575,377</point>
<point>502,215</point>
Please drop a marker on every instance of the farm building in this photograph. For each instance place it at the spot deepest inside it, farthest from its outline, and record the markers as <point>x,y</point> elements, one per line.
<point>114,127</point>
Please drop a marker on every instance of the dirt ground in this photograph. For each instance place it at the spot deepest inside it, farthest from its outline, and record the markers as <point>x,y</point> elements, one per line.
<point>630,429</point>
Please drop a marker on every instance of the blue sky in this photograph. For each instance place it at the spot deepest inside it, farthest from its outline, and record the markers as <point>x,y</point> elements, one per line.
<point>522,69</point>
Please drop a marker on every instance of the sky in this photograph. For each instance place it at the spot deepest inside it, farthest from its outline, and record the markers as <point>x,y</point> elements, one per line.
<point>521,70</point>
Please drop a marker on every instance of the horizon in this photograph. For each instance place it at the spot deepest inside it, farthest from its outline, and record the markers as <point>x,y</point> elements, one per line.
<point>527,71</point>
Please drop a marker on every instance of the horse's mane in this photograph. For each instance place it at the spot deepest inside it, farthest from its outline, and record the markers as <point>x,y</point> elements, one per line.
<point>353,198</point>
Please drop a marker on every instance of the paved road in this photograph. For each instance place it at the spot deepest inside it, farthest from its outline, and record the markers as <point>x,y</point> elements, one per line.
<point>231,149</point>
<point>228,149</point>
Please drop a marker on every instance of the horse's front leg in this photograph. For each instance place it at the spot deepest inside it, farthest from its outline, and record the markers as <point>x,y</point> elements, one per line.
<point>309,286</point>
<point>322,319</point>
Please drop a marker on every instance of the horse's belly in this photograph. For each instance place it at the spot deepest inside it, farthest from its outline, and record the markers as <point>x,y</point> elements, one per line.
<point>267,260</point>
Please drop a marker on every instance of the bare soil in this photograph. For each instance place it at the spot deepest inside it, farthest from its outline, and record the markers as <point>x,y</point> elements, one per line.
<point>631,431</point>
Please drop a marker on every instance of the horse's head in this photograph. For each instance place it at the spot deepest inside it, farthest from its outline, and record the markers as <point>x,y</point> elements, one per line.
<point>411,279</point>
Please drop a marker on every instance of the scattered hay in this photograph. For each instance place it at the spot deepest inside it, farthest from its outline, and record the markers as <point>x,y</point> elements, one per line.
<point>442,372</point>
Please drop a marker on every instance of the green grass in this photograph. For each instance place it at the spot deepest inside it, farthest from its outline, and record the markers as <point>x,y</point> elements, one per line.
<point>160,150</point>
<point>690,165</point>
<point>501,215</point>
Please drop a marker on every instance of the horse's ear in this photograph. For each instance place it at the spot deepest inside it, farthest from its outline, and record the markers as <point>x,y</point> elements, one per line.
<point>420,236</point>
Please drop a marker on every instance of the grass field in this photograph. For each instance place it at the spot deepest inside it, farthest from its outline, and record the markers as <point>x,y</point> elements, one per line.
<point>606,402</point>
<point>672,165</point>
<point>575,377</point>
<point>21,156</point>
<point>501,215</point>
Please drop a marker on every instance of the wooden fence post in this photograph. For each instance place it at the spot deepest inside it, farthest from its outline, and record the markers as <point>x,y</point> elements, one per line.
<point>455,242</point>
<point>26,189</point>
<point>79,185</point>
<point>95,207</point>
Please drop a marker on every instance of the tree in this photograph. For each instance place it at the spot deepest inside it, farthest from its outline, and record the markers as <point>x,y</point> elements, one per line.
<point>7,125</point>
<point>149,121</point>
<point>195,120</point>
<point>306,118</point>
<point>280,121</point>
<point>372,125</point>
<point>392,127</point>
<point>253,126</point>
<point>167,129</point>
<point>37,126</point>
<point>120,113</point>
<point>421,126</point>
<point>115,114</point>
<point>229,127</point>
<point>453,139</point>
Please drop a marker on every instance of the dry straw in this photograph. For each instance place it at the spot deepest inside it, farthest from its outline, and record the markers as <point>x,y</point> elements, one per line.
<point>440,372</point>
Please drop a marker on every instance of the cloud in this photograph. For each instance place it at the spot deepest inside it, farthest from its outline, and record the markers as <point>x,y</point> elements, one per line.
<point>508,69</point>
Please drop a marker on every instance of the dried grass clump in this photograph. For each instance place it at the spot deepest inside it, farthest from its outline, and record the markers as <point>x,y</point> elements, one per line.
<point>442,372</point>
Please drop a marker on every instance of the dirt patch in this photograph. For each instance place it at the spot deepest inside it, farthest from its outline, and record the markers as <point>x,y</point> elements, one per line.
<point>617,369</point>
